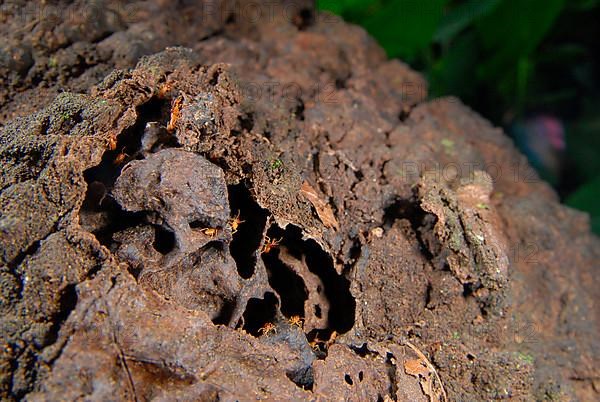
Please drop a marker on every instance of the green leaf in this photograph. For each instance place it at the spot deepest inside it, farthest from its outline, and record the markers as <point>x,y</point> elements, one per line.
<point>524,71</point>
<point>341,7</point>
<point>582,5</point>
<point>514,30</point>
<point>453,73</point>
<point>586,199</point>
<point>461,16</point>
<point>562,53</point>
<point>583,142</point>
<point>404,27</point>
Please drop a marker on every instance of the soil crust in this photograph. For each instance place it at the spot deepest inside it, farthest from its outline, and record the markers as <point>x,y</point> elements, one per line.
<point>269,209</point>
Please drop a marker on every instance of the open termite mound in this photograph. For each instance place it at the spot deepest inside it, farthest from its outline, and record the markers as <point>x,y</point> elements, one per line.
<point>275,211</point>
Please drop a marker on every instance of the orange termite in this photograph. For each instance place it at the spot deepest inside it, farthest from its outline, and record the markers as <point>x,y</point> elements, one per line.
<point>268,328</point>
<point>235,223</point>
<point>270,244</point>
<point>210,232</point>
<point>120,158</point>
<point>296,320</point>
<point>112,143</point>
<point>175,113</point>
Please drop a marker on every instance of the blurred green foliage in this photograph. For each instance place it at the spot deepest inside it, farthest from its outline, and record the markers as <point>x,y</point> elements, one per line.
<point>507,59</point>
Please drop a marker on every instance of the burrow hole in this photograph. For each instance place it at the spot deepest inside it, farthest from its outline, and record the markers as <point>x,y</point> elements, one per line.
<point>303,377</point>
<point>410,210</point>
<point>291,287</point>
<point>100,213</point>
<point>259,312</point>
<point>247,240</point>
<point>164,240</point>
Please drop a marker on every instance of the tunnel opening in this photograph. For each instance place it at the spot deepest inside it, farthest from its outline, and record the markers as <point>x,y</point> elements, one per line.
<point>251,223</point>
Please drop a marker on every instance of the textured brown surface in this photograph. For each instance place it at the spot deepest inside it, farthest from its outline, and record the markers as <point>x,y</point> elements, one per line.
<point>122,275</point>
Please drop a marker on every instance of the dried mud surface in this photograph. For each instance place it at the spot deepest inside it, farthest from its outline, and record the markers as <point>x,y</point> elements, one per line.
<point>270,210</point>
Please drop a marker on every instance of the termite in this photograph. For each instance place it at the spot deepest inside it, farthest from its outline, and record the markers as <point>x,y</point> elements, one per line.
<point>270,244</point>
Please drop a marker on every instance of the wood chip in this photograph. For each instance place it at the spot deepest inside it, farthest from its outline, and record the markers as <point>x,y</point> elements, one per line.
<point>430,381</point>
<point>416,367</point>
<point>323,209</point>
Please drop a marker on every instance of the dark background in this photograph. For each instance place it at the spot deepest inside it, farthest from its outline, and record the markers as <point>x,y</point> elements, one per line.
<point>530,66</point>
